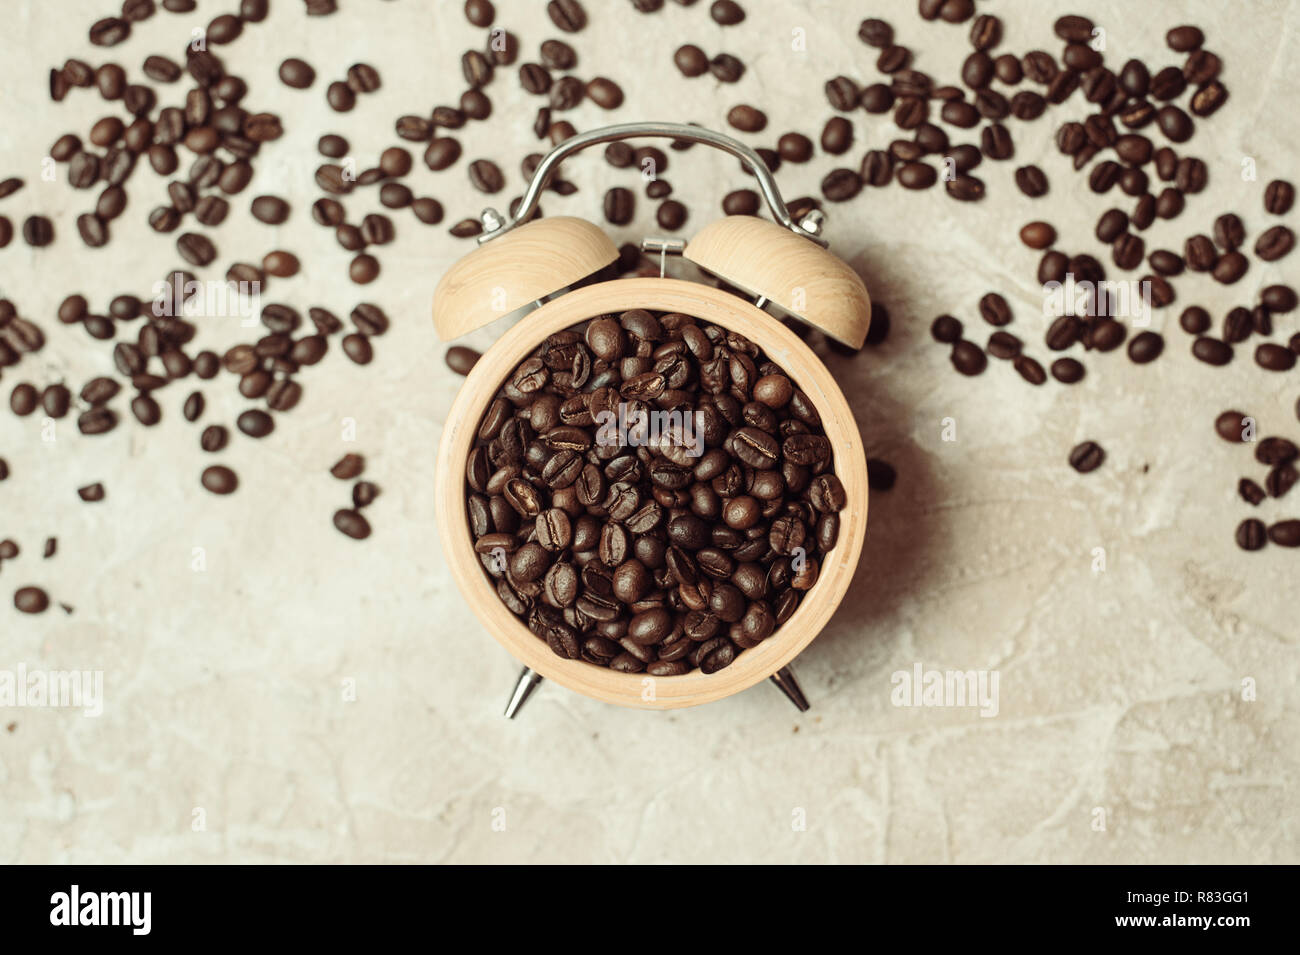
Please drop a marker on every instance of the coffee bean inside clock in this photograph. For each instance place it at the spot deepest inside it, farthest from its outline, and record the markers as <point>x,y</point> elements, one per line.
<point>651,493</point>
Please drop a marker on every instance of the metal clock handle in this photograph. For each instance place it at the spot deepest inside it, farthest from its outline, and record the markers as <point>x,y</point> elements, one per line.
<point>494,225</point>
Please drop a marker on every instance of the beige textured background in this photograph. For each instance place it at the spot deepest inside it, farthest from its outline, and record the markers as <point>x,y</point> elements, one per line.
<point>1119,690</point>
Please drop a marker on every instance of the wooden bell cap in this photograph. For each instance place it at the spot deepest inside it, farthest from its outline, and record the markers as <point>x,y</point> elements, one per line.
<point>763,258</point>
<point>522,266</point>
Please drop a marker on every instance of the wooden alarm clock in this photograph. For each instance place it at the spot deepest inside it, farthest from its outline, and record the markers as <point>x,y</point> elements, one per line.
<point>542,266</point>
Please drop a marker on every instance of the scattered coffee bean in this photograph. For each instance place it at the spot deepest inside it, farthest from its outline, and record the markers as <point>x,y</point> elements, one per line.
<point>348,467</point>
<point>1032,181</point>
<point>1068,371</point>
<point>255,423</point>
<point>1250,491</point>
<point>352,524</point>
<point>219,479</point>
<point>1251,534</point>
<point>1038,235</point>
<point>32,600</point>
<point>946,329</point>
<point>689,59</point>
<point>1275,243</point>
<point>968,358</point>
<point>1087,456</point>
<point>1212,351</point>
<point>1145,347</point>
<point>1229,232</point>
<point>91,493</point>
<point>38,231</point>
<point>461,359</point>
<point>1230,268</point>
<point>1272,357</point>
<point>1231,426</point>
<point>1279,196</point>
<point>1285,533</point>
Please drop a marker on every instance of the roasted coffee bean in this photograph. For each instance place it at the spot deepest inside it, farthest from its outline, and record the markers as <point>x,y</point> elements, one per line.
<point>1274,357</point>
<point>741,202</point>
<point>1191,175</point>
<point>671,215</point>
<point>24,399</point>
<point>1231,426</point>
<point>1285,533</point>
<point>92,230</point>
<point>1165,262</point>
<point>1200,254</point>
<point>255,423</point>
<point>38,231</point>
<point>363,78</point>
<point>211,210</point>
<point>1281,479</point>
<point>837,136</point>
<point>1103,176</point>
<point>1279,196</point>
<point>1038,235</point>
<point>1144,212</point>
<point>1250,492</point>
<point>97,421</point>
<point>1237,325</point>
<point>843,94</point>
<point>994,309</point>
<point>1274,450</point>
<point>1168,84</point>
<point>568,15</point>
<point>965,188</point>
<point>946,329</point>
<point>1278,298</point>
<point>689,59</point>
<point>56,400</point>
<point>1134,148</point>
<point>297,73</point>
<point>1160,291</point>
<point>917,175</point>
<point>1274,243</point>
<point>893,58</point>
<point>340,96</point>
<point>1128,250</point>
<point>1068,371</point>
<point>1184,39</point>
<point>1229,232</point>
<point>1251,534</point>
<point>31,600</point>
<point>196,249</point>
<point>485,176</point>
<point>1230,268</point>
<point>1032,181</point>
<point>351,523</point>
<point>1087,457</point>
<point>968,358</point>
<point>1212,351</point>
<point>619,205</point>
<point>607,94</point>
<point>995,142</point>
<point>164,219</point>
<point>1145,347</point>
<point>1194,320</point>
<point>841,184</point>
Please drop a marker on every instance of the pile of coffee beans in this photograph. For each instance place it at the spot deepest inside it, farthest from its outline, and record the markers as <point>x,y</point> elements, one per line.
<point>1123,106</point>
<point>1279,455</point>
<point>29,599</point>
<point>658,548</point>
<point>350,520</point>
